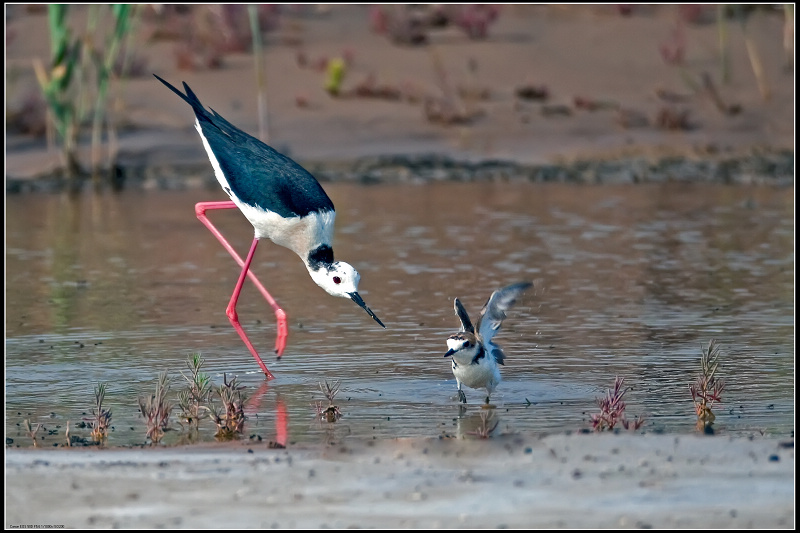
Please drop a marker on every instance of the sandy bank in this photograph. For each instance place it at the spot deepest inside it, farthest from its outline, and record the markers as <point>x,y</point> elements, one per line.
<point>521,481</point>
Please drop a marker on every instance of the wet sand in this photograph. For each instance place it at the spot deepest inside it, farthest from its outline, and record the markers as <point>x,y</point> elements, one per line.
<point>582,480</point>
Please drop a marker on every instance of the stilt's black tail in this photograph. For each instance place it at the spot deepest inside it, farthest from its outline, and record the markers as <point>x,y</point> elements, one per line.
<point>190,98</point>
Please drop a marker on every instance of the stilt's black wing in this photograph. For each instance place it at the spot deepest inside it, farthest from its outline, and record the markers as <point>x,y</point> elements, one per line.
<point>258,174</point>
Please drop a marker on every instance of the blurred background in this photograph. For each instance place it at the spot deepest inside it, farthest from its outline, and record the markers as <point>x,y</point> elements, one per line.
<point>533,84</point>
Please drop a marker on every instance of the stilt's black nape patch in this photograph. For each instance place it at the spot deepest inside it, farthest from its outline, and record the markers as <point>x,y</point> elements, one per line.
<point>320,256</point>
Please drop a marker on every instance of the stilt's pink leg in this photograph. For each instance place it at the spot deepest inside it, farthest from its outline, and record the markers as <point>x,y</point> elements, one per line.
<point>280,315</point>
<point>234,317</point>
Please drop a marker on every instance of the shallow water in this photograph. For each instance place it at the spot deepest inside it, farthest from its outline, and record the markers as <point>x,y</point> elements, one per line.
<point>629,280</point>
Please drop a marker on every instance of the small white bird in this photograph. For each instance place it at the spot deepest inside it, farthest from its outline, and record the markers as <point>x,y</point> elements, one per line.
<point>475,356</point>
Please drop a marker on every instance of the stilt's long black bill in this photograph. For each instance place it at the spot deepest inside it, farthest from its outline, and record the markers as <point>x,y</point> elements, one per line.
<point>449,353</point>
<point>357,299</point>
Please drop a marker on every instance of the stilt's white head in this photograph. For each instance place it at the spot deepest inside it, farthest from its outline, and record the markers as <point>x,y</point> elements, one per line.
<point>341,279</point>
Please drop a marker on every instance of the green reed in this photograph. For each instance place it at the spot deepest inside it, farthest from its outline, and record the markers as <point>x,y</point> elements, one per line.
<point>80,71</point>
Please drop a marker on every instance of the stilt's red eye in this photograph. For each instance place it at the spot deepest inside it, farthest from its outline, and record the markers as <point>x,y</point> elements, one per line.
<point>337,280</point>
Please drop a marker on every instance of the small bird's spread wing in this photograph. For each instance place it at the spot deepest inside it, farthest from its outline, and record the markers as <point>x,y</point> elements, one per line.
<point>494,312</point>
<point>466,323</point>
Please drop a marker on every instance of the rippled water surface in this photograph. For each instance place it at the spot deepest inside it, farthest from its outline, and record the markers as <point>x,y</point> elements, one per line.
<point>629,281</point>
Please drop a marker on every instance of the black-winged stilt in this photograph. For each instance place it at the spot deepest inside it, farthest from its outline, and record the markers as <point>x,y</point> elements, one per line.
<point>282,201</point>
<point>475,356</point>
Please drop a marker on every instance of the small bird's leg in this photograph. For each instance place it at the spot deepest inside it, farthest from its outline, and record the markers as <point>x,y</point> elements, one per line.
<point>280,315</point>
<point>461,396</point>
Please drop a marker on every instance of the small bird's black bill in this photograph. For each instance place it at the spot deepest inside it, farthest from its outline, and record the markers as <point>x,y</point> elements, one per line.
<point>357,299</point>
<point>449,353</point>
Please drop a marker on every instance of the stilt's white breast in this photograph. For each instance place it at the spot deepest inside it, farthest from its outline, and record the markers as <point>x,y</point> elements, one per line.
<point>299,234</point>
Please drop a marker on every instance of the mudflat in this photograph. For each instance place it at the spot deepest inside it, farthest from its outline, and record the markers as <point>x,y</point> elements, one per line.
<point>577,480</point>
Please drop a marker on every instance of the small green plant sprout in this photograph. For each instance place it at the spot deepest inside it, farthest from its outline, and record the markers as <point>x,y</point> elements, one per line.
<point>156,409</point>
<point>612,410</point>
<point>230,419</point>
<point>32,431</point>
<point>488,424</point>
<point>102,416</point>
<point>193,399</point>
<point>332,412</point>
<point>707,389</point>
<point>335,76</point>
